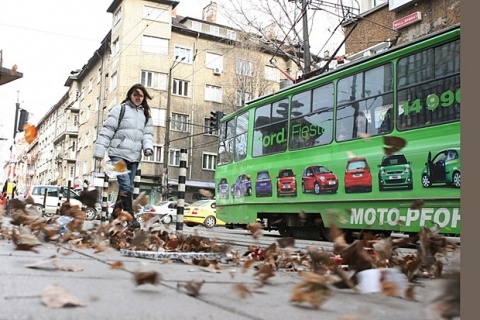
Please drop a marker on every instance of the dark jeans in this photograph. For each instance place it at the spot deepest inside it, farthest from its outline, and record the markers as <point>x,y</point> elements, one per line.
<point>125,181</point>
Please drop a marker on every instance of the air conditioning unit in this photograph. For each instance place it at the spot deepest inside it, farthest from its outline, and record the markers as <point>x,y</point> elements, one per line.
<point>217,71</point>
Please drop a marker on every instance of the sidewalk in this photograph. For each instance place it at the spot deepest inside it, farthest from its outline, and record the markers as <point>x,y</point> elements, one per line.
<point>113,294</point>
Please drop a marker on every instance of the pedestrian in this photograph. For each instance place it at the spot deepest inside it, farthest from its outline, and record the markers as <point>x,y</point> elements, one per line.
<point>124,138</point>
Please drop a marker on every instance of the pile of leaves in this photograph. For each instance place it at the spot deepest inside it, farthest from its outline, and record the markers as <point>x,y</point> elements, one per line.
<point>321,270</point>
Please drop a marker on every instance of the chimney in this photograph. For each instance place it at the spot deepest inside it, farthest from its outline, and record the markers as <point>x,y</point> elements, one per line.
<point>210,12</point>
<point>174,12</point>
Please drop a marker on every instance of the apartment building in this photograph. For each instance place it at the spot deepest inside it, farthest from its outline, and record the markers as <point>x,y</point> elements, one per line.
<point>211,67</point>
<point>385,23</point>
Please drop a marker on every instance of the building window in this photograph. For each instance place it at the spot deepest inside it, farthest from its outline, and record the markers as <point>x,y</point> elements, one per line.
<point>213,93</point>
<point>82,94</point>
<point>157,155</point>
<point>115,47</point>
<point>206,127</point>
<point>113,81</point>
<point>214,61</point>
<point>75,120</point>
<point>232,35</point>
<point>99,77</point>
<point>117,16</point>
<point>179,122</point>
<point>215,30</point>
<point>97,104</point>
<point>155,80</point>
<point>155,45</point>
<point>158,116</point>
<point>197,26</point>
<point>242,98</point>
<point>209,161</point>
<point>244,68</point>
<point>155,14</point>
<point>272,74</point>
<point>180,88</point>
<point>366,5</point>
<point>174,157</point>
<point>90,84</point>
<point>183,53</point>
<point>89,111</point>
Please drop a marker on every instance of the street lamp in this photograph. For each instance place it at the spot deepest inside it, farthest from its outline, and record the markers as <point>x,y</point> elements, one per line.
<point>167,126</point>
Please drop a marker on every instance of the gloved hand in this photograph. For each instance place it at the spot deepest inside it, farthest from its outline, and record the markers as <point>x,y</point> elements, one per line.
<point>148,152</point>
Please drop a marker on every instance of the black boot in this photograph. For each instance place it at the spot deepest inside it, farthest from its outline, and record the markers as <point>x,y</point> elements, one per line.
<point>127,205</point>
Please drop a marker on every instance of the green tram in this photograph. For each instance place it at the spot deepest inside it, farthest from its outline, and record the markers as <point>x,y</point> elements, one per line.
<point>315,153</point>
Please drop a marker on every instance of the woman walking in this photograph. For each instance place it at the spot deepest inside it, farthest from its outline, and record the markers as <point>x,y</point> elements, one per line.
<point>126,133</point>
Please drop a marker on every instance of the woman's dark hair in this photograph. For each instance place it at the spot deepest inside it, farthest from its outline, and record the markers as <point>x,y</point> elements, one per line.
<point>146,107</point>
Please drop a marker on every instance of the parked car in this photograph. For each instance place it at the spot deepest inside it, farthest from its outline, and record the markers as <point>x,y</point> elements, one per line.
<point>443,168</point>
<point>286,183</point>
<point>319,179</point>
<point>37,192</point>
<point>242,186</point>
<point>202,212</point>
<point>263,184</point>
<point>358,175</point>
<point>167,210</point>
<point>223,189</point>
<point>395,172</point>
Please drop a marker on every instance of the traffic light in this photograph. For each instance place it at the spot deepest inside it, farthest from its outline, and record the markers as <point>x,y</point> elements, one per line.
<point>22,119</point>
<point>215,120</point>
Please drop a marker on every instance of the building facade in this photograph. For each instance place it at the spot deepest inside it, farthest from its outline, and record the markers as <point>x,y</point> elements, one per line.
<point>382,23</point>
<point>212,68</point>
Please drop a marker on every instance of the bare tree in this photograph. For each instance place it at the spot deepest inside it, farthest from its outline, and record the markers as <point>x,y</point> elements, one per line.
<point>249,81</point>
<point>279,25</point>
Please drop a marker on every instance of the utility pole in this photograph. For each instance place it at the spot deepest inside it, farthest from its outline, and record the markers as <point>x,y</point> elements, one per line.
<point>306,42</point>
<point>167,127</point>
<point>17,110</point>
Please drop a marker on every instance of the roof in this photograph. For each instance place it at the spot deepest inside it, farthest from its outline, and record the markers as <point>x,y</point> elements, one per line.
<point>7,75</point>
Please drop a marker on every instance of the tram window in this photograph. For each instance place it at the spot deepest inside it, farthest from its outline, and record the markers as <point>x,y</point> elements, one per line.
<point>422,99</point>
<point>270,129</point>
<point>241,138</point>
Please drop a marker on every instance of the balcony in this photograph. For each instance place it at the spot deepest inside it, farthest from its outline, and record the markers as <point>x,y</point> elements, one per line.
<point>71,131</point>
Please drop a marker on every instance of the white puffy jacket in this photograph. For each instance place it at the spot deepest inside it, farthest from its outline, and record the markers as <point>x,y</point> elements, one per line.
<point>128,139</point>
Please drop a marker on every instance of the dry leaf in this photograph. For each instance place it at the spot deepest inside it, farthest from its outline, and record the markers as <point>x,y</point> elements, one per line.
<point>286,242</point>
<point>242,290</point>
<point>14,69</point>
<point>265,271</point>
<point>205,193</point>
<point>30,132</point>
<point>41,264</point>
<point>70,268</point>
<point>393,144</point>
<point>350,154</point>
<point>256,229</point>
<point>314,290</point>
<point>54,296</point>
<point>417,204</point>
<point>116,265</point>
<point>143,277</point>
<point>193,287</point>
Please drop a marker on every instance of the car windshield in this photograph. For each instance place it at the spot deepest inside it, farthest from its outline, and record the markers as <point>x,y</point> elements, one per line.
<point>286,173</point>
<point>356,165</point>
<point>320,169</point>
<point>201,203</point>
<point>262,175</point>
<point>394,160</point>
